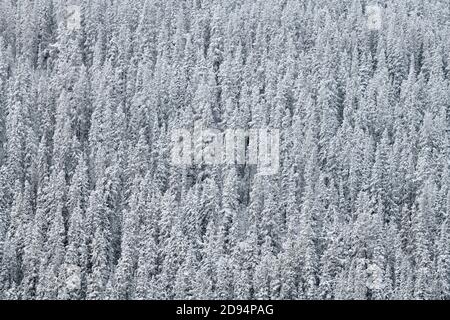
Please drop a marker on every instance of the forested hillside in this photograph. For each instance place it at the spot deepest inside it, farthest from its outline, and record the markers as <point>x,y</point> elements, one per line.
<point>91,206</point>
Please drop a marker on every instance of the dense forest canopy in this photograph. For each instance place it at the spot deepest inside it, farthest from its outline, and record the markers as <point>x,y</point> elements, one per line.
<point>91,206</point>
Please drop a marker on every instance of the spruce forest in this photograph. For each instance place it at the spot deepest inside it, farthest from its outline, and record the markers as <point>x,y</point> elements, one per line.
<point>92,207</point>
